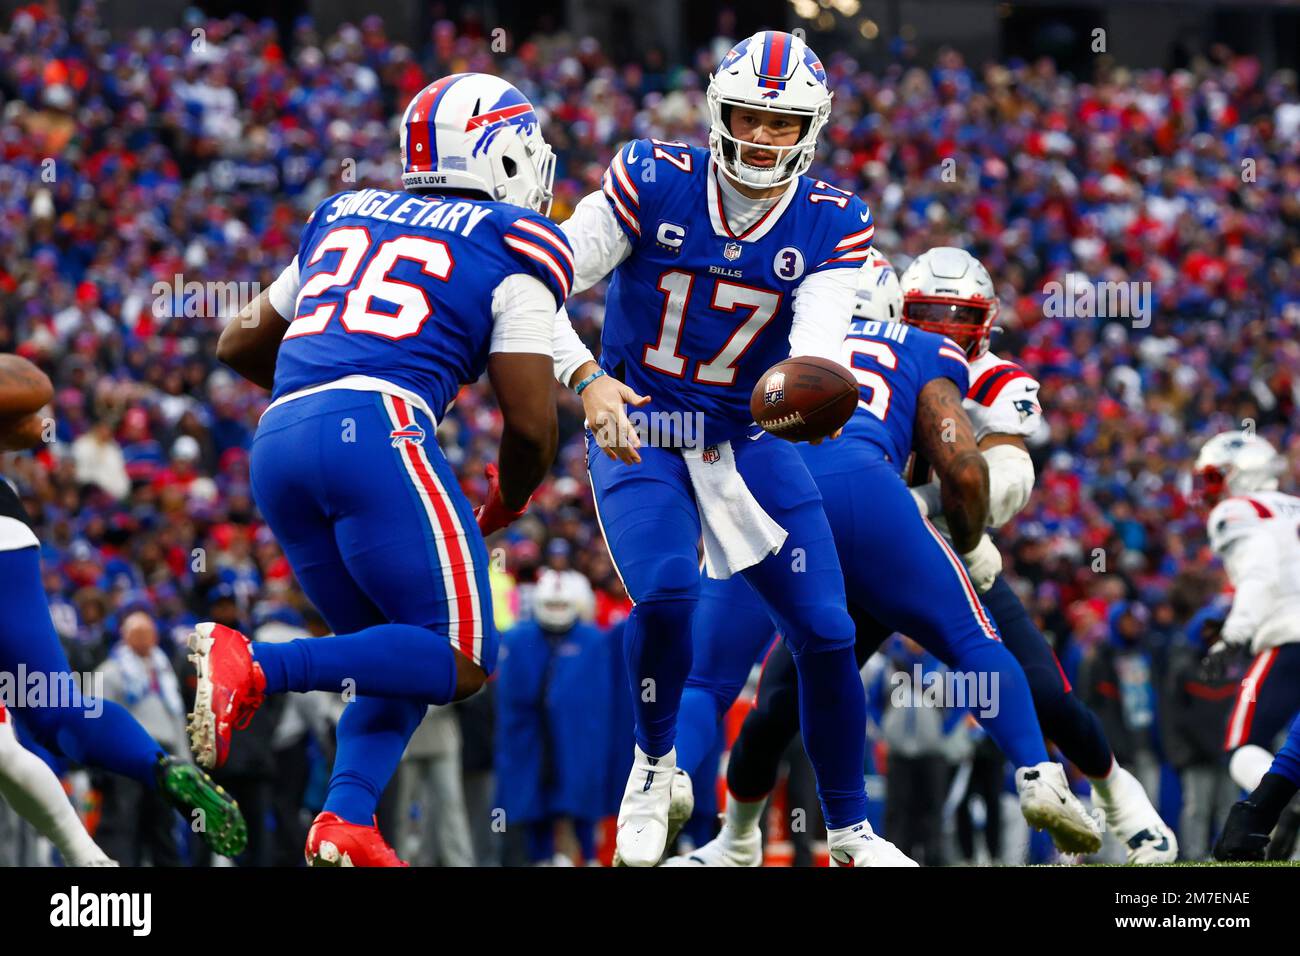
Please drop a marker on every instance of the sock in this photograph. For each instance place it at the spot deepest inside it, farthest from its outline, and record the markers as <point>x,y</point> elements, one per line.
<point>541,841</point>
<point>584,831</point>
<point>113,741</point>
<point>372,736</point>
<point>697,728</point>
<point>832,704</point>
<point>1011,721</point>
<point>31,788</point>
<point>1104,785</point>
<point>1287,761</point>
<point>1248,765</point>
<point>1273,794</point>
<point>387,660</point>
<point>657,648</point>
<point>744,815</point>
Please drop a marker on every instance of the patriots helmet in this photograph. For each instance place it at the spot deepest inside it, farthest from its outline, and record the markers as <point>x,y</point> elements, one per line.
<point>775,72</point>
<point>1236,463</point>
<point>476,132</point>
<point>947,290</point>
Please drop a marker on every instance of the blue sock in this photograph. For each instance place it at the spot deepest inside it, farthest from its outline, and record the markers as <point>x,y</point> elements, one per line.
<point>387,660</point>
<point>1014,724</point>
<point>541,840</point>
<point>94,733</point>
<point>372,736</point>
<point>584,831</point>
<point>657,648</point>
<point>697,727</point>
<point>1287,762</point>
<point>832,703</point>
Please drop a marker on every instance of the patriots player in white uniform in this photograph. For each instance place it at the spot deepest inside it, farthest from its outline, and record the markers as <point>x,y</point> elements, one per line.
<point>947,290</point>
<point>1254,529</point>
<point>725,261</point>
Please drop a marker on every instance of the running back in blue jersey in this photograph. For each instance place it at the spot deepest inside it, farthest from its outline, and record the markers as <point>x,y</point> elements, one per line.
<point>892,363</point>
<point>696,313</point>
<point>399,286</point>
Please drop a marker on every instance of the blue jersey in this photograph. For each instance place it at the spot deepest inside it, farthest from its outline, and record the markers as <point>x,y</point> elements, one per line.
<point>892,363</point>
<point>696,314</point>
<point>399,287</point>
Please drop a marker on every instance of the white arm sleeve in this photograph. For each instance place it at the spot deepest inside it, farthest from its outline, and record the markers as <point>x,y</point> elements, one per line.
<point>1252,563</point>
<point>823,310</point>
<point>523,316</point>
<point>599,243</point>
<point>283,294</point>
<point>570,354</point>
<point>1011,481</point>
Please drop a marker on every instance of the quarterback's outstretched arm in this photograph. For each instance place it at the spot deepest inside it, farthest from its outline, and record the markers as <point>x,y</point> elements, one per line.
<point>944,435</point>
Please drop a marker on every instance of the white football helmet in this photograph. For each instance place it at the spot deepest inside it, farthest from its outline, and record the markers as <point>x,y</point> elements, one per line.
<point>560,598</point>
<point>947,290</point>
<point>880,296</point>
<point>476,132</point>
<point>1236,463</point>
<point>776,72</point>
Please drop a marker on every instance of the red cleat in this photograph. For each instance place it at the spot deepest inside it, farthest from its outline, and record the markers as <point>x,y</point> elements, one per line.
<point>332,841</point>
<point>230,688</point>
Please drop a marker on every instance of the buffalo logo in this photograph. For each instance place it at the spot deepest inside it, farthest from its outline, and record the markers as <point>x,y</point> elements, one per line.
<point>774,390</point>
<point>711,455</point>
<point>412,434</point>
<point>510,110</point>
<point>731,252</point>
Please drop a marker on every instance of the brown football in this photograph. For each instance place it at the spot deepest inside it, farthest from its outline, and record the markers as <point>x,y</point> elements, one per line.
<point>804,398</point>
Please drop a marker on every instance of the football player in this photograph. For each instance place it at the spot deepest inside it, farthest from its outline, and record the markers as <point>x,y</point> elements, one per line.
<point>1246,833</point>
<point>395,300</point>
<point>1254,529</point>
<point>725,261</point>
<point>911,384</point>
<point>91,731</point>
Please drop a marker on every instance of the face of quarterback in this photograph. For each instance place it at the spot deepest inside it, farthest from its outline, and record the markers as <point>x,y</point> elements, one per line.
<point>759,129</point>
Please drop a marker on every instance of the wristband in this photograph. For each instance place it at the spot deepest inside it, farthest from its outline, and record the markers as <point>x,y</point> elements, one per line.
<point>588,380</point>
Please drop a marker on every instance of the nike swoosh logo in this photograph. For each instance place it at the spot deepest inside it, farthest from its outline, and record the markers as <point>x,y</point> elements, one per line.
<point>864,216</point>
<point>631,154</point>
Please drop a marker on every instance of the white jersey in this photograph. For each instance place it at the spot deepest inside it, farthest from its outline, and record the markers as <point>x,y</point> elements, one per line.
<point>1257,536</point>
<point>1002,399</point>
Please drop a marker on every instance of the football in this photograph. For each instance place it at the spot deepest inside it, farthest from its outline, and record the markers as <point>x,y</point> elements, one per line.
<point>804,398</point>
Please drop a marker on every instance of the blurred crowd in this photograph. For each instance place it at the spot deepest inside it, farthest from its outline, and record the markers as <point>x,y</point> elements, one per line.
<point>135,164</point>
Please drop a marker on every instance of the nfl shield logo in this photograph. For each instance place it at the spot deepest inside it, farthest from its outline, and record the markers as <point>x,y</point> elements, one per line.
<point>711,454</point>
<point>731,252</point>
<point>774,391</point>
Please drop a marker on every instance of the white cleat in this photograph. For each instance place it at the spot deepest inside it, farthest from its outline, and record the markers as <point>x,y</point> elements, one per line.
<point>859,846</point>
<point>1135,822</point>
<point>681,806</point>
<point>1048,804</point>
<point>728,848</point>
<point>643,814</point>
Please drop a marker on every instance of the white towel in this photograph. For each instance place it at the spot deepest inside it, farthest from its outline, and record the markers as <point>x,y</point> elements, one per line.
<point>737,532</point>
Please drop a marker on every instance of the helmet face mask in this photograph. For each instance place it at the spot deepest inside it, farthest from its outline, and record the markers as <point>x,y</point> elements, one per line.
<point>968,322</point>
<point>1233,463</point>
<point>477,133</point>
<point>769,72</point>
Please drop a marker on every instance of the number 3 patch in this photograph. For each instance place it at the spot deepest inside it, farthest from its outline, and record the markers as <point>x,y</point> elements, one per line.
<point>788,263</point>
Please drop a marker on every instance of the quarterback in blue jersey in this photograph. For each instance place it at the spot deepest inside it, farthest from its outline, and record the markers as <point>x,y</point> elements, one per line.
<point>725,260</point>
<point>911,385</point>
<point>395,300</point>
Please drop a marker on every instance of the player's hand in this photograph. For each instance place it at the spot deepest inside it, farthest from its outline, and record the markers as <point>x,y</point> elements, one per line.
<point>1215,663</point>
<point>493,515</point>
<point>983,563</point>
<point>831,437</point>
<point>605,403</point>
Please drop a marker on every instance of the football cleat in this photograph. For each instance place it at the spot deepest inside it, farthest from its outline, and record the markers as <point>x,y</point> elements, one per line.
<point>643,814</point>
<point>1245,836</point>
<point>681,806</point>
<point>859,846</point>
<point>728,848</point>
<point>1048,804</point>
<point>332,841</point>
<point>230,689</point>
<point>1134,821</point>
<point>199,798</point>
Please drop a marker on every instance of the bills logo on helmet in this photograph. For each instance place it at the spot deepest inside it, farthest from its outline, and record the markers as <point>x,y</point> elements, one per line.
<point>735,53</point>
<point>510,110</point>
<point>814,65</point>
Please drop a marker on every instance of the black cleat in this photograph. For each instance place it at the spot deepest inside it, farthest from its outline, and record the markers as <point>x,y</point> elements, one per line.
<point>1244,836</point>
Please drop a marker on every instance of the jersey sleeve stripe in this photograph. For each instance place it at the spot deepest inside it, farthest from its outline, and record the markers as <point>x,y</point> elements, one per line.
<point>624,180</point>
<point>991,388</point>
<point>955,354</point>
<point>563,279</point>
<point>548,239</point>
<point>857,237</point>
<point>619,209</point>
<point>1260,509</point>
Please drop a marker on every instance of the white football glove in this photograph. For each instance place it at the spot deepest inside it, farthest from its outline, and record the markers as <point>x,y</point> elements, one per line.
<point>983,563</point>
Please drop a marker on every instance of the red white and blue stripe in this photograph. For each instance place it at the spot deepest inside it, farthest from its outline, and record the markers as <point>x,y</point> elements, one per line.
<point>421,134</point>
<point>544,248</point>
<point>989,385</point>
<point>855,248</point>
<point>620,188</point>
<point>774,60</point>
